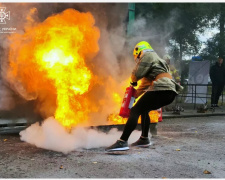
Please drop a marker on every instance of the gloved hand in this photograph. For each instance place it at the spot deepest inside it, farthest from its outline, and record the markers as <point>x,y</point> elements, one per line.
<point>133,84</point>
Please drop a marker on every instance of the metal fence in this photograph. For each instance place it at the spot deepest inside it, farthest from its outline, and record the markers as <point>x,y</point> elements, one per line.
<point>193,94</point>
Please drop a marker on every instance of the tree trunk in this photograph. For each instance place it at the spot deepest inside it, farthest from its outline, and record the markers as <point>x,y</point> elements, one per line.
<point>181,51</point>
<point>221,41</point>
<point>180,60</point>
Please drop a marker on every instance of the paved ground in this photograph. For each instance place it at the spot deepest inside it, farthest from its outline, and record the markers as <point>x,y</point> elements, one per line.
<point>183,148</point>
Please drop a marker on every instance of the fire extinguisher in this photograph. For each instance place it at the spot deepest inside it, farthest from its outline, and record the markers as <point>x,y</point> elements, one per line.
<point>160,114</point>
<point>128,102</point>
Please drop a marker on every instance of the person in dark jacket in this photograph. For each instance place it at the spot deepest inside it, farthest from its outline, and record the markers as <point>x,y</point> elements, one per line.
<point>217,76</point>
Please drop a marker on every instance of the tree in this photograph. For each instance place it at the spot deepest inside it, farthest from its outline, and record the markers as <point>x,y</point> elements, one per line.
<point>177,25</point>
<point>215,46</point>
<point>211,51</point>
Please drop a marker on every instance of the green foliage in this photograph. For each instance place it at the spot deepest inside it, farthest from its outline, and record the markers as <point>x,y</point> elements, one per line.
<point>211,51</point>
<point>176,26</point>
<point>215,46</point>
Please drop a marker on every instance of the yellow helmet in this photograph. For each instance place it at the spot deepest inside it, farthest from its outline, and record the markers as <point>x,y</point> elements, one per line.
<point>166,56</point>
<point>141,46</point>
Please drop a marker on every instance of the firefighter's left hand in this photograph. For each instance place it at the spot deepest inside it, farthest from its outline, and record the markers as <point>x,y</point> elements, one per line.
<point>133,84</point>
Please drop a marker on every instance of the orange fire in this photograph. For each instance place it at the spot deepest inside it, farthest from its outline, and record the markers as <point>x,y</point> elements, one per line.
<point>114,118</point>
<point>154,116</point>
<point>49,62</point>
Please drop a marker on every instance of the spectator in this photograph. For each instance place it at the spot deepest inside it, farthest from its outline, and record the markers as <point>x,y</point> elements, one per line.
<point>173,70</point>
<point>175,75</point>
<point>217,76</point>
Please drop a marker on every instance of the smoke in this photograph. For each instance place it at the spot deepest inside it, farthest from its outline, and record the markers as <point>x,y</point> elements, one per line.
<point>51,135</point>
<point>112,67</point>
<point>155,30</point>
<point>10,99</point>
<point>114,62</point>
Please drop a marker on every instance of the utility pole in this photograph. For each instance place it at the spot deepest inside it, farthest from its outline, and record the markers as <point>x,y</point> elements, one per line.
<point>131,18</point>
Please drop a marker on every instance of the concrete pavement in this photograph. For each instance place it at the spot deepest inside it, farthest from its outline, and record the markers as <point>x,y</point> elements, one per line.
<point>183,148</point>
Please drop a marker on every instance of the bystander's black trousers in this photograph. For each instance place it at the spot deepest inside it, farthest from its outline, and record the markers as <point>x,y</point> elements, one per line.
<point>216,93</point>
<point>151,100</point>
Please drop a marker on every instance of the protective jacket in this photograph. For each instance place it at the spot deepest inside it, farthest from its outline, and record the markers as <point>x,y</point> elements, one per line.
<point>147,68</point>
<point>217,74</point>
<point>174,73</point>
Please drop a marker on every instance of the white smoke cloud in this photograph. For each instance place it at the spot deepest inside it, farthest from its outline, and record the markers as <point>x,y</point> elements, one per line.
<point>51,135</point>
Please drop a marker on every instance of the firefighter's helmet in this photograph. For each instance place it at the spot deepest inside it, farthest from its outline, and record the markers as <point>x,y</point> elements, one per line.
<point>143,45</point>
<point>166,56</point>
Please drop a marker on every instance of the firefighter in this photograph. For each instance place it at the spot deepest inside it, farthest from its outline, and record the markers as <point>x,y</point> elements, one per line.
<point>173,70</point>
<point>174,74</point>
<point>157,89</point>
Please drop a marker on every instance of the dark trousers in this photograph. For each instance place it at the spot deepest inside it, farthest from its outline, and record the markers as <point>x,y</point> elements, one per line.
<point>216,93</point>
<point>151,100</point>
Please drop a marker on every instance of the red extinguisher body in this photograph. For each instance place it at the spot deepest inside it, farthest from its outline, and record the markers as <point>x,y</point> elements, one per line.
<point>160,114</point>
<point>128,102</point>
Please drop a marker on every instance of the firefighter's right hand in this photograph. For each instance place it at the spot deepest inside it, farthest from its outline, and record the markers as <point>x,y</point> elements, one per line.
<point>133,84</point>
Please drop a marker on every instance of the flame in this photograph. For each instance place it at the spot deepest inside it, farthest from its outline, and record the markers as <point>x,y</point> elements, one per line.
<point>117,98</point>
<point>50,61</point>
<point>154,116</point>
<point>114,118</point>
